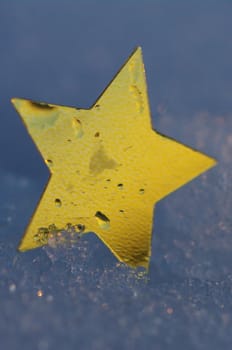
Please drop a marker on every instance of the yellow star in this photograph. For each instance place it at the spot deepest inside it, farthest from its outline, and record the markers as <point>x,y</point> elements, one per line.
<point>108,166</point>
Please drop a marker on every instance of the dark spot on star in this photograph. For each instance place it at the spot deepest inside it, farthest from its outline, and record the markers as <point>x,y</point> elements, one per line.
<point>41,105</point>
<point>100,161</point>
<point>101,216</point>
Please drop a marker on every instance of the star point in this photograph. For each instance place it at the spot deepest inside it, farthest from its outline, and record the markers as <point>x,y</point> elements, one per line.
<point>108,166</point>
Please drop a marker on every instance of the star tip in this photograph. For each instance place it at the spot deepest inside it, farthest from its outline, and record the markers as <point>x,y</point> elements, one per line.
<point>209,163</point>
<point>20,248</point>
<point>16,101</point>
<point>13,100</point>
<point>212,162</point>
<point>144,268</point>
<point>137,50</point>
<point>144,264</point>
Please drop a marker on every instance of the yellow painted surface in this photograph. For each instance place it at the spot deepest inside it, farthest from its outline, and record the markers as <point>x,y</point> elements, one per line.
<point>108,167</point>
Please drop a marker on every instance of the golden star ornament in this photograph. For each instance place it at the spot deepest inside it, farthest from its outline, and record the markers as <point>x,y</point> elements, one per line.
<point>108,167</point>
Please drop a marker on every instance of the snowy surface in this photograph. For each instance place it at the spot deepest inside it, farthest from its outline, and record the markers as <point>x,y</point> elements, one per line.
<point>77,296</point>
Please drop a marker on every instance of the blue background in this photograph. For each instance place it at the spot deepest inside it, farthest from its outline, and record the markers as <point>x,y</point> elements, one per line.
<point>66,52</point>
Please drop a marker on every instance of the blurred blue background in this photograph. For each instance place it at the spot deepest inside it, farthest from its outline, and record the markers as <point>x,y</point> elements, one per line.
<point>66,52</point>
